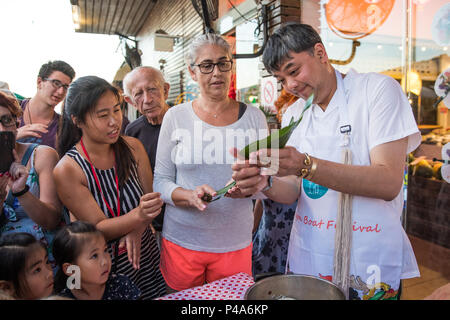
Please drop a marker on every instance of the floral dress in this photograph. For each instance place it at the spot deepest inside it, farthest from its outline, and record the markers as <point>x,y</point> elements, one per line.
<point>271,239</point>
<point>117,287</point>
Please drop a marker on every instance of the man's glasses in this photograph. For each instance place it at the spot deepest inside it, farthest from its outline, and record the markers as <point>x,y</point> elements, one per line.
<point>208,67</point>
<point>57,84</point>
<point>8,120</point>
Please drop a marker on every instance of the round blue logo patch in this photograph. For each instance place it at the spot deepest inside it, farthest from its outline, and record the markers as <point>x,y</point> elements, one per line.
<point>313,190</point>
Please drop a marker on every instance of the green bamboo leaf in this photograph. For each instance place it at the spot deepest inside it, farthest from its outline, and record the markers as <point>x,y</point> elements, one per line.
<point>282,136</point>
<point>220,193</point>
<point>226,188</point>
<point>279,138</point>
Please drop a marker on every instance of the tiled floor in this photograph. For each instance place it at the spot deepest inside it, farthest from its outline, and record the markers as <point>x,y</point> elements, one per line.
<point>434,265</point>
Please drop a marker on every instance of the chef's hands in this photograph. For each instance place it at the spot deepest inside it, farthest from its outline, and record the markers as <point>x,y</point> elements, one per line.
<point>234,192</point>
<point>283,162</point>
<point>251,175</point>
<point>247,175</point>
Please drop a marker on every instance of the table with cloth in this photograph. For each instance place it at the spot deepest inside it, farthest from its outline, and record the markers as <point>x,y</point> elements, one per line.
<point>229,288</point>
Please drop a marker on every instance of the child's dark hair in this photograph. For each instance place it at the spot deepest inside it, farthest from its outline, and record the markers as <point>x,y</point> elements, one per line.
<point>67,246</point>
<point>14,251</point>
<point>81,98</point>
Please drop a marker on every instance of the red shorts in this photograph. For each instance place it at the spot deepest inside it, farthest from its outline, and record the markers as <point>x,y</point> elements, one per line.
<point>183,268</point>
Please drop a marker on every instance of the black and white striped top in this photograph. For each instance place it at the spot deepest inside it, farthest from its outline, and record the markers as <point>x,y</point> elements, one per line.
<point>148,278</point>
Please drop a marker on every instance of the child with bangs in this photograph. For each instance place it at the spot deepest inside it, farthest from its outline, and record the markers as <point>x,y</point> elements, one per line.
<point>25,273</point>
<point>84,262</point>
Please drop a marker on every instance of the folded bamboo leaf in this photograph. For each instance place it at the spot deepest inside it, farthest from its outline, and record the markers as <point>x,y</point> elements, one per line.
<point>225,189</point>
<point>278,139</point>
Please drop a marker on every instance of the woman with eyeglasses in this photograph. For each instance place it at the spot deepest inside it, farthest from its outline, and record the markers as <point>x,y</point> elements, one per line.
<point>205,241</point>
<point>28,199</point>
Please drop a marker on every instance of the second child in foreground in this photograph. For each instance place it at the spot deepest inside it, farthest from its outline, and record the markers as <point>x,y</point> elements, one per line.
<point>80,244</point>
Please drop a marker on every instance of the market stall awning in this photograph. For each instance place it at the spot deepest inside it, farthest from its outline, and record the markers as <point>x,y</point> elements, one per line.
<point>110,16</point>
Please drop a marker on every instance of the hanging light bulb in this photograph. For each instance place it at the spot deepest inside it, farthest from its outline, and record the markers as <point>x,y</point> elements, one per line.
<point>414,83</point>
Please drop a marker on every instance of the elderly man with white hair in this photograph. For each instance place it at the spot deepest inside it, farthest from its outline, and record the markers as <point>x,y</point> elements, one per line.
<point>146,89</point>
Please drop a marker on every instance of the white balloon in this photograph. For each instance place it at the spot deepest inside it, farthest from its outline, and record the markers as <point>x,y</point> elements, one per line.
<point>439,27</point>
<point>443,77</point>
<point>446,151</point>
<point>445,172</point>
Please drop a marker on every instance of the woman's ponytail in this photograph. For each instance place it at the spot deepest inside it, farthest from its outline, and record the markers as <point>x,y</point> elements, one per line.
<point>68,134</point>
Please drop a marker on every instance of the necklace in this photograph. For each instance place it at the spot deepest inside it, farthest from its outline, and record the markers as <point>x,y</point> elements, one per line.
<point>214,115</point>
<point>28,109</point>
<point>29,112</point>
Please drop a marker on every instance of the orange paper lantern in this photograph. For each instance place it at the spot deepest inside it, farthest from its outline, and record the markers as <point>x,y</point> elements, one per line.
<point>354,19</point>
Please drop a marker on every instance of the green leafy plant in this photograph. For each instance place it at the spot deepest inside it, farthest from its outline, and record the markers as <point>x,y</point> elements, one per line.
<point>268,112</point>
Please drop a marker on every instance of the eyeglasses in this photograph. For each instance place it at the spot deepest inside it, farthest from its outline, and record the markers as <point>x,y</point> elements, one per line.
<point>57,84</point>
<point>208,67</point>
<point>8,120</point>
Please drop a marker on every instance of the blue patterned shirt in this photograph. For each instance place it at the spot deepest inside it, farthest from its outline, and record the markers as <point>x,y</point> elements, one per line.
<point>118,287</point>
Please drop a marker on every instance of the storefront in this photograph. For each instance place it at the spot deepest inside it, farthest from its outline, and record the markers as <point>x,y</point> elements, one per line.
<point>409,41</point>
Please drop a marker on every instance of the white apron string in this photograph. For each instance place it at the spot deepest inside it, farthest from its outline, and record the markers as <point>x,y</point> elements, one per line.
<point>343,235</point>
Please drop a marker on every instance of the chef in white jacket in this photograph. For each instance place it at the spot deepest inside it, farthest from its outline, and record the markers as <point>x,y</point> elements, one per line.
<point>345,164</point>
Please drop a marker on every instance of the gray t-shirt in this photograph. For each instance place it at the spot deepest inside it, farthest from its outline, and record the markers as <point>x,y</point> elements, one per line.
<point>192,153</point>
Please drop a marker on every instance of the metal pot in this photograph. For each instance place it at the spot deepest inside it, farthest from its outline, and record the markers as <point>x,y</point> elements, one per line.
<point>294,287</point>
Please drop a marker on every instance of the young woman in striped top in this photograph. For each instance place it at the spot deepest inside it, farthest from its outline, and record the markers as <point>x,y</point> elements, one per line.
<point>105,179</point>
